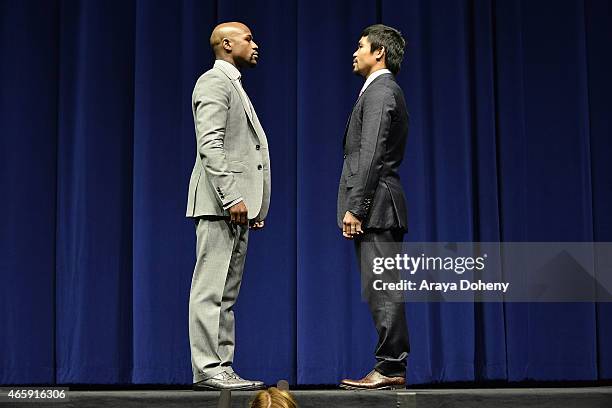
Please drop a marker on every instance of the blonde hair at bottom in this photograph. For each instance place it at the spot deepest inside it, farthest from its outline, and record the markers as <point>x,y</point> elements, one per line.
<point>273,398</point>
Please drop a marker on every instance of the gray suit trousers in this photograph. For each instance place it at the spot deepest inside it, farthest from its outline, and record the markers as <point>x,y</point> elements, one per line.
<point>221,251</point>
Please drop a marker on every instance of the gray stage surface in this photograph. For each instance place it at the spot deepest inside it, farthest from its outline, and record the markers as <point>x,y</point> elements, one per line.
<point>586,397</point>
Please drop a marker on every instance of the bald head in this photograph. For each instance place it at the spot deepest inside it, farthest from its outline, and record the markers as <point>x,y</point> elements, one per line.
<point>226,31</point>
<point>233,42</point>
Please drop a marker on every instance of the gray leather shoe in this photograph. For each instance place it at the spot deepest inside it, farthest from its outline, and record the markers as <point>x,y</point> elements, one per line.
<point>222,381</point>
<point>255,385</point>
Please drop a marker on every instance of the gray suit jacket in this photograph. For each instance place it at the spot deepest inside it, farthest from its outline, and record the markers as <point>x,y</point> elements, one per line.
<point>232,157</point>
<point>374,144</point>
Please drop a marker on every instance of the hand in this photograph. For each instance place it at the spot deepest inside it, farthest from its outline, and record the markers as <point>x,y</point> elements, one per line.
<point>238,213</point>
<point>256,225</point>
<point>351,226</point>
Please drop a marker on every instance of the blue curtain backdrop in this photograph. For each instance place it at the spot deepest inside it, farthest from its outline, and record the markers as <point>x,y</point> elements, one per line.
<point>510,140</point>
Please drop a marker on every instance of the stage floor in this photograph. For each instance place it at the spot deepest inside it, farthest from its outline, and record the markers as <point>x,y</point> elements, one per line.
<point>584,397</point>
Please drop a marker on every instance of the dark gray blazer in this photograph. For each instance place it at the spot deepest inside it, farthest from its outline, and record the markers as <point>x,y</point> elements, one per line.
<point>374,144</point>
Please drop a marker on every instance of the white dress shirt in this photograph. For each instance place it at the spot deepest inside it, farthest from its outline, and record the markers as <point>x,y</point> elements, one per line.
<point>372,77</point>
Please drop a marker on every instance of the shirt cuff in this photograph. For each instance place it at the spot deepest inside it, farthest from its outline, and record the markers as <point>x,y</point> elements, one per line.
<point>231,203</point>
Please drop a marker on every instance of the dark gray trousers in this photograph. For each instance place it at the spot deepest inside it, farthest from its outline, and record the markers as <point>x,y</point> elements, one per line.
<point>387,308</point>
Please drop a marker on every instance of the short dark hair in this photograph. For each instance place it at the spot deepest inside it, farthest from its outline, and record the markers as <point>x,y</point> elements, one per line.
<point>379,36</point>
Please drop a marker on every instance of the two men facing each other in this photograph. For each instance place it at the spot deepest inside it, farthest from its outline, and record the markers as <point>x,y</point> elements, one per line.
<point>229,192</point>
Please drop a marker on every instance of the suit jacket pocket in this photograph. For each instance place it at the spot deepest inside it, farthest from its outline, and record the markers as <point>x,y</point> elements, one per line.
<point>237,167</point>
<point>383,213</point>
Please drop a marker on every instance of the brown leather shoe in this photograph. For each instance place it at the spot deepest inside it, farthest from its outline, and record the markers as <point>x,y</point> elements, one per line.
<point>374,381</point>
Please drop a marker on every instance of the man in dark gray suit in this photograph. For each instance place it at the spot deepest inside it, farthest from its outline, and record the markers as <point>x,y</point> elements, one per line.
<point>371,202</point>
<point>229,192</point>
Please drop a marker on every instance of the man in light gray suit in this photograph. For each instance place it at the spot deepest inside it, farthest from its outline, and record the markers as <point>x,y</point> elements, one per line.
<point>229,193</point>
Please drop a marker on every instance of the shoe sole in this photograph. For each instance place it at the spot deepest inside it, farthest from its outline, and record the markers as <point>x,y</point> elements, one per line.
<point>211,388</point>
<point>386,387</point>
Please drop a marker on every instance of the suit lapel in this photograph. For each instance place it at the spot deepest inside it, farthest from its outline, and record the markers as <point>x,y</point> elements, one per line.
<point>246,105</point>
<point>252,115</point>
<point>261,135</point>
<point>348,122</point>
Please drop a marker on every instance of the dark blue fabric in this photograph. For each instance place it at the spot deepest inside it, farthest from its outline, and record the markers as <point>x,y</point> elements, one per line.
<point>510,140</point>
<point>29,68</point>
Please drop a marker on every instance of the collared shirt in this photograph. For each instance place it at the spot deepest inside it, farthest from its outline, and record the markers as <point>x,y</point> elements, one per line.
<point>372,77</point>
<point>231,69</point>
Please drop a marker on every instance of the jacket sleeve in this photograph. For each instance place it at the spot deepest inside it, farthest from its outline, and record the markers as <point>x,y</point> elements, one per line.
<point>211,101</point>
<point>376,122</point>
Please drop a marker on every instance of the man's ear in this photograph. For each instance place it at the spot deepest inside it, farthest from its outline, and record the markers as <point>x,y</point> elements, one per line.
<point>226,44</point>
<point>379,53</point>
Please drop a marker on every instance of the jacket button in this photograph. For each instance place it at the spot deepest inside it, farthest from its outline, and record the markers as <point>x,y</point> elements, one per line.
<point>259,167</point>
<point>257,147</point>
